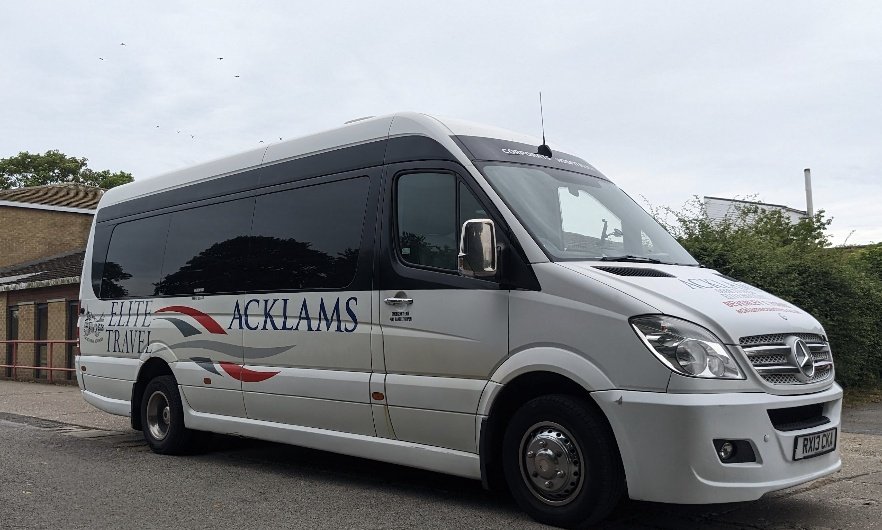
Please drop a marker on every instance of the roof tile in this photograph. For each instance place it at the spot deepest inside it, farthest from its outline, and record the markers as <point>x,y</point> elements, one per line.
<point>68,194</point>
<point>67,265</point>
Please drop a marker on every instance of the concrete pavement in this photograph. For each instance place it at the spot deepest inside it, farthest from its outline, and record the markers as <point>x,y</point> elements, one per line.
<point>851,498</point>
<point>58,403</point>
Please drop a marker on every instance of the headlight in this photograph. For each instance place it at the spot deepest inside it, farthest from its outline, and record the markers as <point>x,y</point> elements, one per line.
<point>686,348</point>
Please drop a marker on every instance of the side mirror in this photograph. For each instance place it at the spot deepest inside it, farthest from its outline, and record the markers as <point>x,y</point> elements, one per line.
<point>477,249</point>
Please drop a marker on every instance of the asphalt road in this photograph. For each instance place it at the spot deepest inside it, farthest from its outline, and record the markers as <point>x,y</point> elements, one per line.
<point>57,475</point>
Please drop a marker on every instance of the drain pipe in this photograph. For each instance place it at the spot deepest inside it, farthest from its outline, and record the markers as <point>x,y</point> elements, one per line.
<point>809,207</point>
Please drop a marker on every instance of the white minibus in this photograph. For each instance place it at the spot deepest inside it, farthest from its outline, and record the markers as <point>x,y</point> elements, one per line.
<point>452,297</point>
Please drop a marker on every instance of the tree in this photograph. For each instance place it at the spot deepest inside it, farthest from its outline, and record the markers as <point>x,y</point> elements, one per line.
<point>795,261</point>
<point>54,167</point>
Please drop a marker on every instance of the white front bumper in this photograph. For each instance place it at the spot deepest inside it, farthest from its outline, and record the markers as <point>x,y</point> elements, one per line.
<point>666,442</point>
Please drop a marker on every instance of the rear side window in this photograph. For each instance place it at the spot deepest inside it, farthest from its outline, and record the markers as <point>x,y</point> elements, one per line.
<point>206,249</point>
<point>308,238</point>
<point>134,258</point>
<point>303,238</point>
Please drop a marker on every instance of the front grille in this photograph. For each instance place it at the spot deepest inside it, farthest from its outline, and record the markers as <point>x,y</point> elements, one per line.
<point>771,358</point>
<point>778,339</point>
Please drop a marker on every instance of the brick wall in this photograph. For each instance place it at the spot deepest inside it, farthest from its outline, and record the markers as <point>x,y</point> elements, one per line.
<point>26,328</point>
<point>31,234</point>
<point>3,320</point>
<point>57,353</point>
<point>56,299</point>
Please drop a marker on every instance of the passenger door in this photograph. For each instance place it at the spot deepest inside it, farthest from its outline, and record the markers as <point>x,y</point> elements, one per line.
<point>307,322</point>
<point>443,333</point>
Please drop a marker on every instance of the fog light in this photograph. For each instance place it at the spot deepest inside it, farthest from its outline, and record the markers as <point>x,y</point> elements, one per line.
<point>726,451</point>
<point>734,451</point>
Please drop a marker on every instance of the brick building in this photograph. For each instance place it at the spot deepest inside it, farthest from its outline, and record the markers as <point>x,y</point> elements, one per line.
<point>43,234</point>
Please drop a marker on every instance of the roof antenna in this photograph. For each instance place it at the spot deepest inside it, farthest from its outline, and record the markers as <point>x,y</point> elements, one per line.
<point>543,150</point>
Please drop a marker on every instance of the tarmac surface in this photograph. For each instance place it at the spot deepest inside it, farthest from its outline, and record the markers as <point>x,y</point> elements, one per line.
<point>65,464</point>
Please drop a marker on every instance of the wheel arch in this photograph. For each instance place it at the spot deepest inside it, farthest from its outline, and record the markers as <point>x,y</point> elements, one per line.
<point>521,378</point>
<point>151,368</point>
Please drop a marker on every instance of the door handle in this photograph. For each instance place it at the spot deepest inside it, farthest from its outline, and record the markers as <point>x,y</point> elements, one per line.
<point>398,301</point>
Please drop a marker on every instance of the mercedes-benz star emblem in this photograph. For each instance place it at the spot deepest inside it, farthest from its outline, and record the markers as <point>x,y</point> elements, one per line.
<point>802,357</point>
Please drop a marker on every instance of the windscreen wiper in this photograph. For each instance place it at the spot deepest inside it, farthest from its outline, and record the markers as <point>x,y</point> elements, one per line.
<point>634,259</point>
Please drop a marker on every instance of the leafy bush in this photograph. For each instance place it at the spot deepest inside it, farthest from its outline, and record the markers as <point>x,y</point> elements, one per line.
<point>842,288</point>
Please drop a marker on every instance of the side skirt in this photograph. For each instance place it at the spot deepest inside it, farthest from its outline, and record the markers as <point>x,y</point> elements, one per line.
<point>410,454</point>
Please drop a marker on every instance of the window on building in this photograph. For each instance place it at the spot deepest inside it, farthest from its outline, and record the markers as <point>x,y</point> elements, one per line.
<point>41,333</point>
<point>308,238</point>
<point>11,334</point>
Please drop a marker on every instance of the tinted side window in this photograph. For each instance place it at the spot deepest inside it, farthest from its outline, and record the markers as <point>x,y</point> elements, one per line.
<point>308,238</point>
<point>134,258</point>
<point>427,219</point>
<point>207,248</point>
<point>469,207</point>
<point>430,218</point>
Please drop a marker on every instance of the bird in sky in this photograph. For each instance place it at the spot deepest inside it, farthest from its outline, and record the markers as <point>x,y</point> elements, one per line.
<point>122,43</point>
<point>192,136</point>
<point>235,76</point>
<point>157,126</point>
<point>101,58</point>
<point>220,58</point>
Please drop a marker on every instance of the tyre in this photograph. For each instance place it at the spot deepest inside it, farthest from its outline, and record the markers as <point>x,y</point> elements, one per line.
<point>561,462</point>
<point>162,417</point>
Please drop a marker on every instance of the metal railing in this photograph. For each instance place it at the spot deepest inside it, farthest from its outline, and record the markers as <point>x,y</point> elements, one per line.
<point>12,351</point>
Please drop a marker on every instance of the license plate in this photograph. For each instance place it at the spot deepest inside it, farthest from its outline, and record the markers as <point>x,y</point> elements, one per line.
<point>815,444</point>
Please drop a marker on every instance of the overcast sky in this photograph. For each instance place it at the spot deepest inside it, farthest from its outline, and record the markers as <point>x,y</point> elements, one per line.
<point>669,99</point>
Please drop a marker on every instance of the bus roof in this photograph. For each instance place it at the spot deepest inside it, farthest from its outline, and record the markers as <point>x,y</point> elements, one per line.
<point>357,132</point>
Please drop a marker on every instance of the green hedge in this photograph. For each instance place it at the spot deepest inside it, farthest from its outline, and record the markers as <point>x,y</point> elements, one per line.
<point>841,287</point>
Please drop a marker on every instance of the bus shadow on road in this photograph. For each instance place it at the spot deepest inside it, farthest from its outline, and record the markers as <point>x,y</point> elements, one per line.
<point>326,467</point>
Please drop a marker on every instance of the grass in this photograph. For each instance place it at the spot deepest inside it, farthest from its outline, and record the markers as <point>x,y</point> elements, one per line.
<point>855,397</point>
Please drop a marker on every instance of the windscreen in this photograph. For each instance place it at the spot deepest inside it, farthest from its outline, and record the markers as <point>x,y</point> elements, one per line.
<point>579,217</point>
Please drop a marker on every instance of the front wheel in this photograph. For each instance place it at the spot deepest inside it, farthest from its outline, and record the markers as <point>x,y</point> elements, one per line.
<point>162,417</point>
<point>561,462</point>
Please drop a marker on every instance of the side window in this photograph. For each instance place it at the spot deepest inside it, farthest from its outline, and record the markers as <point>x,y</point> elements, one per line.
<point>134,258</point>
<point>431,209</point>
<point>469,207</point>
<point>204,246</point>
<point>308,238</point>
<point>427,219</point>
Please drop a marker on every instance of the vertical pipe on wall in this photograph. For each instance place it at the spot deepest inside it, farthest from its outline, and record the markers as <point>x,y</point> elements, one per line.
<point>809,207</point>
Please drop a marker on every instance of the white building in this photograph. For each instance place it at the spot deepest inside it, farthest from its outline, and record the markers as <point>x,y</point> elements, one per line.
<point>718,208</point>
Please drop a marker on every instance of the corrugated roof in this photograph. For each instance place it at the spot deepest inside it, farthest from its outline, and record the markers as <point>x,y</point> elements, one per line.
<point>67,195</point>
<point>757,203</point>
<point>56,270</point>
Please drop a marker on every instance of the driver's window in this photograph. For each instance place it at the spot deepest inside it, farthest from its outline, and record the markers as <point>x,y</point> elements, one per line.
<point>429,220</point>
<point>587,224</point>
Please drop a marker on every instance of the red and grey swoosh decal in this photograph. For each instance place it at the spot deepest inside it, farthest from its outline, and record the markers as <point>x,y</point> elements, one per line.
<point>234,370</point>
<point>233,350</point>
<point>206,321</point>
<point>245,375</point>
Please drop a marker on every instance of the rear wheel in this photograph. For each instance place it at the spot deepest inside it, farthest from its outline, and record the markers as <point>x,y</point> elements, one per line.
<point>162,417</point>
<point>561,462</point>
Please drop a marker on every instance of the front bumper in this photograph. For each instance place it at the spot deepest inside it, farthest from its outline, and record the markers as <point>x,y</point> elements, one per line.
<point>666,443</point>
